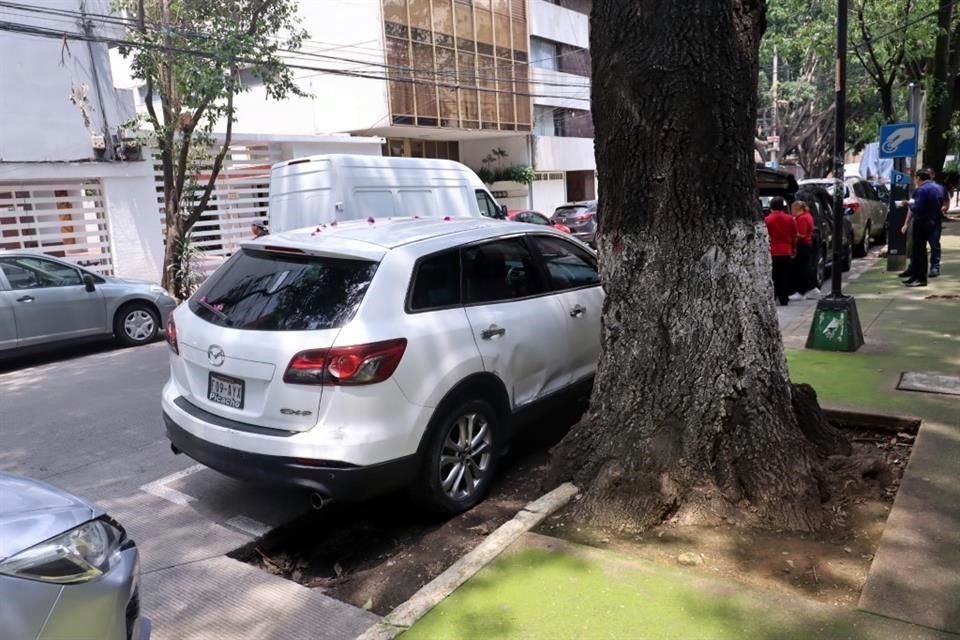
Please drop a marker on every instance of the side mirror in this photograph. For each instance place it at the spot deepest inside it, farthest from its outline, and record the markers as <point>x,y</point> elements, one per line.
<point>88,282</point>
<point>503,212</point>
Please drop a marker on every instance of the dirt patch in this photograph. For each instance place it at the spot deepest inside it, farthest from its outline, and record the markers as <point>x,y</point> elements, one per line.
<point>377,554</point>
<point>830,565</point>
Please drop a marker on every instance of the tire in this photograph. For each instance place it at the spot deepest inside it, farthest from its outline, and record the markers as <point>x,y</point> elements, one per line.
<point>820,266</point>
<point>136,324</point>
<point>848,254</point>
<point>860,249</point>
<point>443,485</point>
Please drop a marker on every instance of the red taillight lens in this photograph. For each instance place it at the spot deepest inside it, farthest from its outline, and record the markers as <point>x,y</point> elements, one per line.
<point>171,334</point>
<point>853,206</point>
<point>363,364</point>
<point>583,216</point>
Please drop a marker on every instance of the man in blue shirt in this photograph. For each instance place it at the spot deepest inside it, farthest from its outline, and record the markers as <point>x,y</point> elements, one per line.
<point>924,213</point>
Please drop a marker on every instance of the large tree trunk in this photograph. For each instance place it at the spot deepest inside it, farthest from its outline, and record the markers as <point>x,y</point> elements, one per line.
<point>692,413</point>
<point>940,96</point>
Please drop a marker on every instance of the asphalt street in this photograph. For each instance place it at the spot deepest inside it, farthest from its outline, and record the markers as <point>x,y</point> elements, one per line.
<point>88,420</point>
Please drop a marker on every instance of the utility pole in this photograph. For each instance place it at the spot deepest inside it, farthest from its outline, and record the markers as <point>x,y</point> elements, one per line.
<point>836,323</point>
<point>775,147</point>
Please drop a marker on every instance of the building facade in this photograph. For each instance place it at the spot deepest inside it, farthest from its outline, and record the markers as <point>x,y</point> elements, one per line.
<point>68,185</point>
<point>494,84</point>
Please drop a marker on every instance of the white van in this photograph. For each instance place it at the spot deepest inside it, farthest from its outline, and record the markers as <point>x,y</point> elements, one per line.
<point>321,189</point>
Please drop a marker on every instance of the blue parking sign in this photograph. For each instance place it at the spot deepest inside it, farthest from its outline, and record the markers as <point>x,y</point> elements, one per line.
<point>898,140</point>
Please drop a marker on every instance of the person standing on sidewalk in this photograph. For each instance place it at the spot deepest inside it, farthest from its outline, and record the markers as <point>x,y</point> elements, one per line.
<point>924,210</point>
<point>783,238</point>
<point>804,269</point>
<point>937,231</point>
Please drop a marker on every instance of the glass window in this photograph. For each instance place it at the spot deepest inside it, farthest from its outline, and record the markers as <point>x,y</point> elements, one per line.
<point>443,16</point>
<point>464,15</point>
<point>426,89</point>
<point>536,218</point>
<point>261,291</point>
<point>395,11</point>
<point>499,271</point>
<point>544,54</point>
<point>437,282</point>
<point>568,266</point>
<point>488,208</point>
<point>36,273</point>
<point>870,191</point>
<point>858,189</point>
<point>401,93</point>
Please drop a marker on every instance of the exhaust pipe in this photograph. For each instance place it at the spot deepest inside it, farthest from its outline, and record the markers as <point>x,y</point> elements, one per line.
<point>318,500</point>
<point>173,448</point>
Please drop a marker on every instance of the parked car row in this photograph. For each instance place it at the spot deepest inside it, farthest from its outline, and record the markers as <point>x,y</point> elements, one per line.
<point>772,183</point>
<point>864,207</point>
<point>576,218</point>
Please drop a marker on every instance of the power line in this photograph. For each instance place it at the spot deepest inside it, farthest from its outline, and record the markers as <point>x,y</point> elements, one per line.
<point>65,35</point>
<point>453,74</point>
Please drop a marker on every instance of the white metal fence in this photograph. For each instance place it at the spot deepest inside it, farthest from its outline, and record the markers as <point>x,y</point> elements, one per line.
<point>240,197</point>
<point>67,219</point>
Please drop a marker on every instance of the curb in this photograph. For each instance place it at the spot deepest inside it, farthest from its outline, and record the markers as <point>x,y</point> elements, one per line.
<point>434,592</point>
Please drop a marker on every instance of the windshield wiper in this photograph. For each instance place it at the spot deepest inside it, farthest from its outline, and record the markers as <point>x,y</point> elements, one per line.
<point>215,311</point>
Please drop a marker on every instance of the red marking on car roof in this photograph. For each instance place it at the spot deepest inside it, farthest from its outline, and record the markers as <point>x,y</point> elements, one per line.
<point>371,220</point>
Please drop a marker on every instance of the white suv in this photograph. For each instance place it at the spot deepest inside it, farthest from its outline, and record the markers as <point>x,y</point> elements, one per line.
<point>370,356</point>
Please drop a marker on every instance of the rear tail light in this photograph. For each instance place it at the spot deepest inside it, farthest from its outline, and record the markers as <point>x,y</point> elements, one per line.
<point>363,364</point>
<point>853,206</point>
<point>171,334</point>
<point>583,216</point>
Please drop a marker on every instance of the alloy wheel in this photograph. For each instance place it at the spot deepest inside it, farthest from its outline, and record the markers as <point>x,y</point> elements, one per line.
<point>466,456</point>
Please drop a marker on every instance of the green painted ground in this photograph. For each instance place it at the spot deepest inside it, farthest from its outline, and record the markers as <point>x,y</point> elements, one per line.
<point>904,332</point>
<point>574,594</point>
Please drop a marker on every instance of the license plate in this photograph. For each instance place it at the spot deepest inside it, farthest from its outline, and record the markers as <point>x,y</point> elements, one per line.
<point>225,390</point>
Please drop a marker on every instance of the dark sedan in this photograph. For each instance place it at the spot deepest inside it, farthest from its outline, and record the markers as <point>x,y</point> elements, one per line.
<point>580,218</point>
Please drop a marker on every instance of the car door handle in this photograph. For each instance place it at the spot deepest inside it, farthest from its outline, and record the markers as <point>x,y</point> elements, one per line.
<point>578,311</point>
<point>493,332</point>
<point>26,299</point>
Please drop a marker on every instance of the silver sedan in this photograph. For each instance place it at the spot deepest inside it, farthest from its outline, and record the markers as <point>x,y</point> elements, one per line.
<point>44,300</point>
<point>67,570</point>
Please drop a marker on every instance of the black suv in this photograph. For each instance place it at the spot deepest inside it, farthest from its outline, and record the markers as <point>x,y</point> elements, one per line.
<point>771,183</point>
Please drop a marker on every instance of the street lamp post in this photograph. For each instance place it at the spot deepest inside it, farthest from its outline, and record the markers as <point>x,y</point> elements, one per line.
<point>836,324</point>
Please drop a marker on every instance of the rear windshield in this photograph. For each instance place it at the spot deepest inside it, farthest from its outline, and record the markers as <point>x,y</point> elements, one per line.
<point>564,212</point>
<point>274,292</point>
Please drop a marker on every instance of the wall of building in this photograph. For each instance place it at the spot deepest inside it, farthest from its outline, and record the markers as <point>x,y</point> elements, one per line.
<point>564,154</point>
<point>130,198</point>
<point>343,36</point>
<point>556,23</point>
<point>472,152</point>
<point>39,76</point>
<point>548,195</point>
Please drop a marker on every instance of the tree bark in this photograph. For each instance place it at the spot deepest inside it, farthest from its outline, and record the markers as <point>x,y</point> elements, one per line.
<point>692,416</point>
<point>940,96</point>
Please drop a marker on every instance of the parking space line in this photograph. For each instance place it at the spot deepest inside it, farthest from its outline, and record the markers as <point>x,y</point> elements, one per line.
<point>159,489</point>
<point>248,526</point>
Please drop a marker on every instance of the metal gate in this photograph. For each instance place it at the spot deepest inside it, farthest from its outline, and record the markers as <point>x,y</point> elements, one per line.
<point>241,196</point>
<point>63,219</point>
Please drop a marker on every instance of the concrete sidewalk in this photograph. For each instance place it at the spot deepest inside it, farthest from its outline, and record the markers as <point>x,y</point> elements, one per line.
<point>915,576</point>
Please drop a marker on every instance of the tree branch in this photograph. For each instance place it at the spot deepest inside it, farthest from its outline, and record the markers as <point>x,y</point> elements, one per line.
<point>188,130</point>
<point>201,206</point>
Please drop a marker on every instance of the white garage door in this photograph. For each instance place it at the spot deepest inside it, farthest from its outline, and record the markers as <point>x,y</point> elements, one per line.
<point>63,219</point>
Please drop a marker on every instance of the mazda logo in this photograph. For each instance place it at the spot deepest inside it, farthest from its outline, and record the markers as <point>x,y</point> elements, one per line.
<point>215,355</point>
